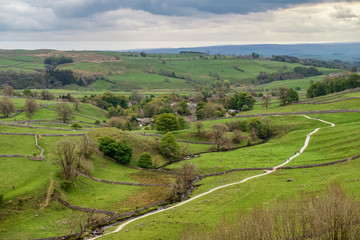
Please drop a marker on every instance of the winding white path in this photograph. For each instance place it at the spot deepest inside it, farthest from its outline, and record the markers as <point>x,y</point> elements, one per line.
<point>307,140</point>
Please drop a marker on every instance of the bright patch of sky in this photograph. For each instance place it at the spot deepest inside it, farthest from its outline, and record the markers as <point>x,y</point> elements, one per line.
<point>127,24</point>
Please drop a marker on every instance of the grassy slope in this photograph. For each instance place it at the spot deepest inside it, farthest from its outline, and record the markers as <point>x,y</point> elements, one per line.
<point>209,209</point>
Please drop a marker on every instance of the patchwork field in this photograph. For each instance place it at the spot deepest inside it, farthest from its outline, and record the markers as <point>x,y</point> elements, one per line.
<point>37,201</point>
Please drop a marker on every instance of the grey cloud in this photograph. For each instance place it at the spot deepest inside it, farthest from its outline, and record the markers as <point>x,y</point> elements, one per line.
<point>344,13</point>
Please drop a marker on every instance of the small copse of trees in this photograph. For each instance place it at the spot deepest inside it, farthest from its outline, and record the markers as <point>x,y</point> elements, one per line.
<point>121,152</point>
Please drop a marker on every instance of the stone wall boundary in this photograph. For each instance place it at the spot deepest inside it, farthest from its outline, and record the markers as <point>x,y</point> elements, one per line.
<point>124,183</point>
<point>284,168</point>
<point>10,155</point>
<point>47,128</point>
<point>84,209</point>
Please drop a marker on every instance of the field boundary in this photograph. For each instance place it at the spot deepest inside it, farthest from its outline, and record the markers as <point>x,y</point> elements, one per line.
<point>123,183</point>
<point>281,168</point>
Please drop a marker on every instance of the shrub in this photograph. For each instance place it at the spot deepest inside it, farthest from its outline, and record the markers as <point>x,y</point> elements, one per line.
<point>76,126</point>
<point>233,114</point>
<point>65,185</point>
<point>120,151</point>
<point>245,108</point>
<point>145,160</point>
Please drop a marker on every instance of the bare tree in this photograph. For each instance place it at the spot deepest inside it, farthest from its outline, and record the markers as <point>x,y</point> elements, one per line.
<point>218,135</point>
<point>283,95</point>
<point>183,177</point>
<point>199,126</point>
<point>79,224</point>
<point>64,112</point>
<point>30,107</point>
<point>76,104</point>
<point>67,159</point>
<point>7,107</point>
<point>86,149</point>
<point>8,90</point>
<point>266,100</point>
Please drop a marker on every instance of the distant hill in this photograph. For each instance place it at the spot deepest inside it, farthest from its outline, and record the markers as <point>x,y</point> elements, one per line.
<point>349,52</point>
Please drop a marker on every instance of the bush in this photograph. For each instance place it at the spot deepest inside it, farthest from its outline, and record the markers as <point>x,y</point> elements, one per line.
<point>233,114</point>
<point>245,108</point>
<point>76,126</point>
<point>120,151</point>
<point>145,160</point>
<point>65,185</point>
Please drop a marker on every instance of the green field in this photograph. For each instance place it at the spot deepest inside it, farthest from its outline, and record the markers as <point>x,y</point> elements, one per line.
<point>125,73</point>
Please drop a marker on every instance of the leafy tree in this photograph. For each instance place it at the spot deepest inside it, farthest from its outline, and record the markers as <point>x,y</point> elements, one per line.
<point>54,60</point>
<point>262,129</point>
<point>30,107</point>
<point>145,160</point>
<point>156,106</point>
<point>199,110</point>
<point>6,107</point>
<point>316,90</point>
<point>183,124</point>
<point>64,112</point>
<point>209,110</point>
<point>167,122</point>
<point>353,81</point>
<point>123,153</point>
<point>183,108</point>
<point>293,96</point>
<point>105,145</point>
<point>240,99</point>
<point>115,100</point>
<point>169,147</point>
<point>28,93</point>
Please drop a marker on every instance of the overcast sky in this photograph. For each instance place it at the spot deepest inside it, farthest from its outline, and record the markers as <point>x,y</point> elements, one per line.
<point>129,24</point>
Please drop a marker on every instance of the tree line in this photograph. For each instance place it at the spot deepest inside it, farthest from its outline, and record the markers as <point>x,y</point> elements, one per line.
<point>336,64</point>
<point>333,84</point>
<point>285,74</point>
